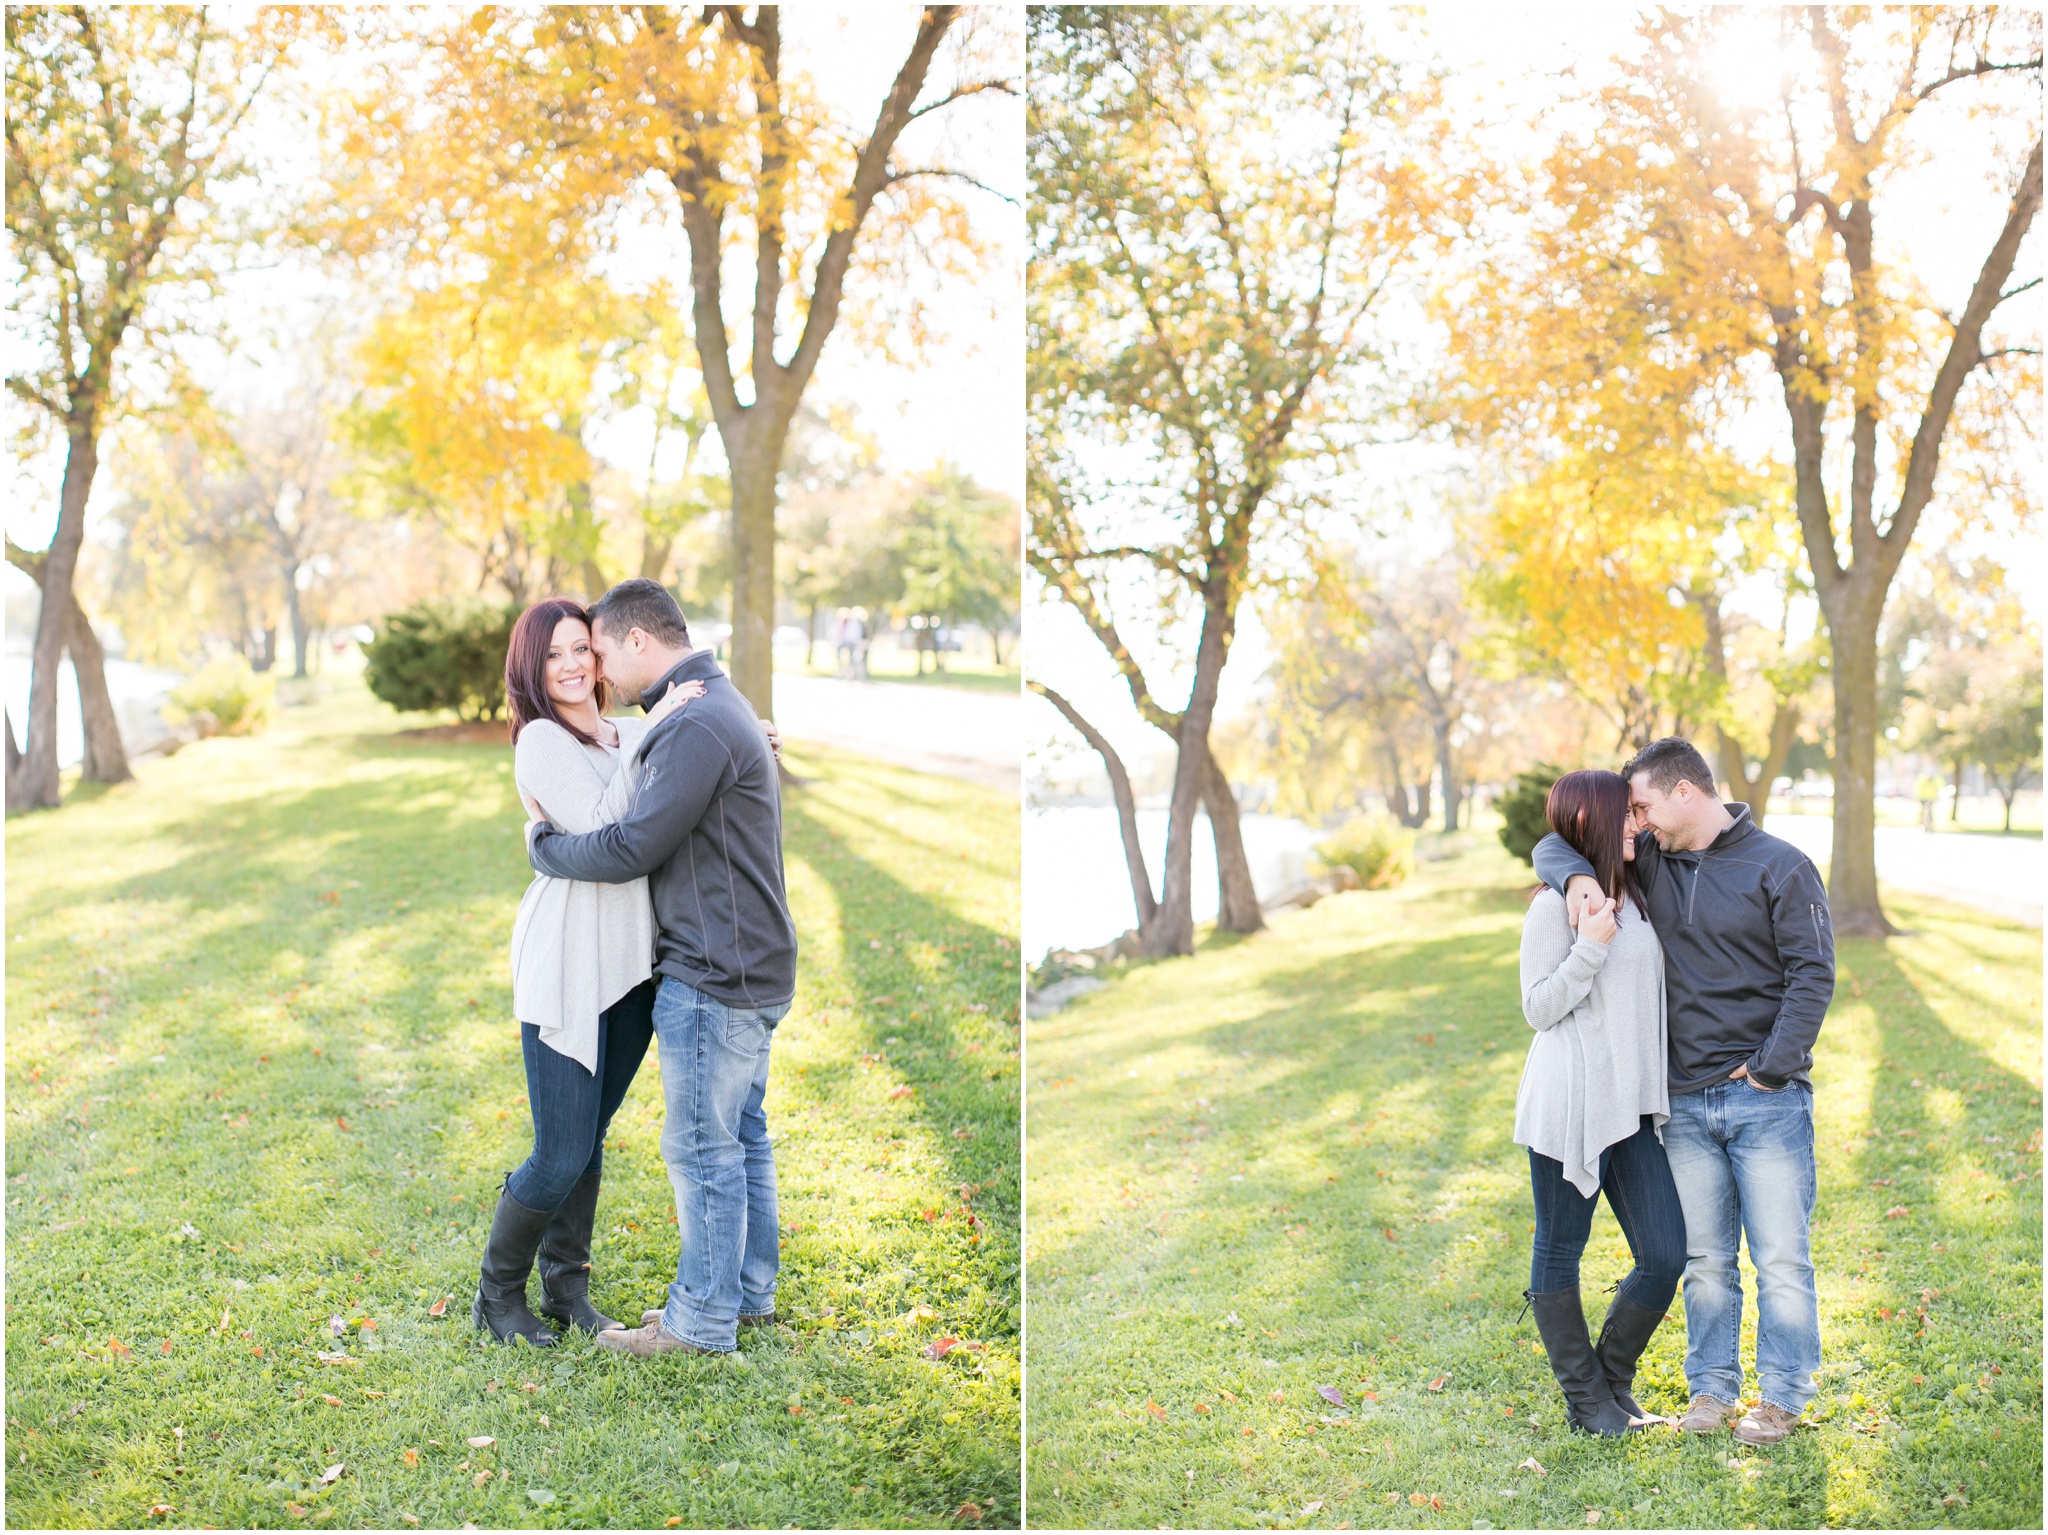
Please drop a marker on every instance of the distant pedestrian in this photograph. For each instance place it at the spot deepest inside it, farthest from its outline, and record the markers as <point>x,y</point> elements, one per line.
<point>842,642</point>
<point>1928,791</point>
<point>857,633</point>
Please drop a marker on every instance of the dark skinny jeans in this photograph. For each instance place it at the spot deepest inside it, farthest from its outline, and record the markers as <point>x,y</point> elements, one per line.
<point>1637,1182</point>
<point>572,1108</point>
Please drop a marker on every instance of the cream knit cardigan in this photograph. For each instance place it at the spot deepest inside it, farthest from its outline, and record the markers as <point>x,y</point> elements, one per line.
<point>1598,1061</point>
<point>578,946</point>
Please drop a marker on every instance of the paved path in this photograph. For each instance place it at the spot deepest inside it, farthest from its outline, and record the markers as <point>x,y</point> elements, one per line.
<point>958,732</point>
<point>1996,874</point>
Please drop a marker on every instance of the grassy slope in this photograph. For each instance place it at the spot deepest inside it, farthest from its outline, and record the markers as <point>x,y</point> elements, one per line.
<point>1286,1163</point>
<point>261,1072</point>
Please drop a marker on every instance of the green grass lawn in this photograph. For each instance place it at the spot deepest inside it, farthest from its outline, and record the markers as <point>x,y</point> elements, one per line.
<point>262,1073</point>
<point>1285,1164</point>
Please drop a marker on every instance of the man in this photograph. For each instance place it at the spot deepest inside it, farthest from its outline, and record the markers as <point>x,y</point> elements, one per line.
<point>706,825</point>
<point>1749,970</point>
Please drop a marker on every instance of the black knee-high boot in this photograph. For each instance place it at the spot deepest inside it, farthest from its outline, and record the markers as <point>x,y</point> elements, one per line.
<point>1623,1337</point>
<point>500,1307</point>
<point>565,1260</point>
<point>1590,1407</point>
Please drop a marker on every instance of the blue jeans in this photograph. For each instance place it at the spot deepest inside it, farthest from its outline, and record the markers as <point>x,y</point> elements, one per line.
<point>571,1107</point>
<point>714,1076</point>
<point>1743,1162</point>
<point>1637,1182</point>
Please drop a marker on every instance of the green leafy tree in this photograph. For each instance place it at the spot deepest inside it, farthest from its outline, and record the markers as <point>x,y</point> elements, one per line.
<point>1223,203</point>
<point>122,124</point>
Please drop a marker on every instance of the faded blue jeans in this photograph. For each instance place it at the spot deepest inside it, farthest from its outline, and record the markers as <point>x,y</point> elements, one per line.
<point>1742,1158</point>
<point>714,1138</point>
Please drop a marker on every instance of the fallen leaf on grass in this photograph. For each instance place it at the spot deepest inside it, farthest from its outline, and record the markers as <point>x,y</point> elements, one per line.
<point>412,1456</point>
<point>941,1347</point>
<point>1592,1516</point>
<point>672,1521</point>
<point>1331,1395</point>
<point>1531,1465</point>
<point>295,1510</point>
<point>1310,1508</point>
<point>410,1518</point>
<point>544,1421</point>
<point>440,1307</point>
<point>1438,1383</point>
<point>481,1477</point>
<point>481,1442</point>
<point>1368,1396</point>
<point>968,1511</point>
<point>159,1510</point>
<point>901,1092</point>
<point>331,1401</point>
<point>1277,1396</point>
<point>1156,1410</point>
<point>1202,1407</point>
<point>119,1349</point>
<point>1227,1396</point>
<point>339,1356</point>
<point>1896,1211</point>
<point>164,1348</point>
<point>332,1475</point>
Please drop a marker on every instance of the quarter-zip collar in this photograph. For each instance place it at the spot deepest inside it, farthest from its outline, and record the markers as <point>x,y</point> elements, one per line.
<point>698,665</point>
<point>1742,826</point>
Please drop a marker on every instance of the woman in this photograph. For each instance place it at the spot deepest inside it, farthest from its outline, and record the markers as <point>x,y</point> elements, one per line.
<point>1593,1099</point>
<point>582,974</point>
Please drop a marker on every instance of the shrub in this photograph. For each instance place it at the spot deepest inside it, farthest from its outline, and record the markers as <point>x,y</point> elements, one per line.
<point>1377,848</point>
<point>442,656</point>
<point>224,696</point>
<point>1523,822</point>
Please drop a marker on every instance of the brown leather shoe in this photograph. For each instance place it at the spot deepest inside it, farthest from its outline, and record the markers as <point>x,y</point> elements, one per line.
<point>747,1319</point>
<point>1707,1415</point>
<point>645,1342</point>
<point>1766,1423</point>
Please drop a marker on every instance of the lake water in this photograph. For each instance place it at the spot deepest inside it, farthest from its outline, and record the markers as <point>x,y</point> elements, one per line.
<point>1077,893</point>
<point>138,693</point>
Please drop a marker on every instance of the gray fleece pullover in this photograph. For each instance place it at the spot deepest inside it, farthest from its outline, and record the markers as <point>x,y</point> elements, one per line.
<point>1749,952</point>
<point>705,825</point>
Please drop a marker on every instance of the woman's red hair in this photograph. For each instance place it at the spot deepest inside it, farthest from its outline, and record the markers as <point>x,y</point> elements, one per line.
<point>526,668</point>
<point>1589,809</point>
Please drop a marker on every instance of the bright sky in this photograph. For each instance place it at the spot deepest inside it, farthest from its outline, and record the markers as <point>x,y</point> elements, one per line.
<point>962,402</point>
<point>1503,63</point>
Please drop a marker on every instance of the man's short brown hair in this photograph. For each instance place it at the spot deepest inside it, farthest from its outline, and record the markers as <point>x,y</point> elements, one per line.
<point>1670,761</point>
<point>644,605</point>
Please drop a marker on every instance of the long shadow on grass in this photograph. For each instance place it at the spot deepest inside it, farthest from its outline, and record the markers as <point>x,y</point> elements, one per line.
<point>415,837</point>
<point>876,909</point>
<point>1361,1024</point>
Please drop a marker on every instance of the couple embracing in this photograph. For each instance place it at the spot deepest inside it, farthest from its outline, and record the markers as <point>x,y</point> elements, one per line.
<point>1676,966</point>
<point>658,913</point>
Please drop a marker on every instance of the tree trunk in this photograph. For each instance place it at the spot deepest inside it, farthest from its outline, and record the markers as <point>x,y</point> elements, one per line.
<point>2009,798</point>
<point>1174,930</point>
<point>33,785</point>
<point>296,610</point>
<point>995,645</point>
<point>13,751</point>
<point>1756,792</point>
<point>811,637</point>
<point>1237,902</point>
<point>752,660</point>
<point>1955,801</point>
<point>1852,862</point>
<point>266,649</point>
<point>1447,775</point>
<point>106,757</point>
<point>1126,805</point>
